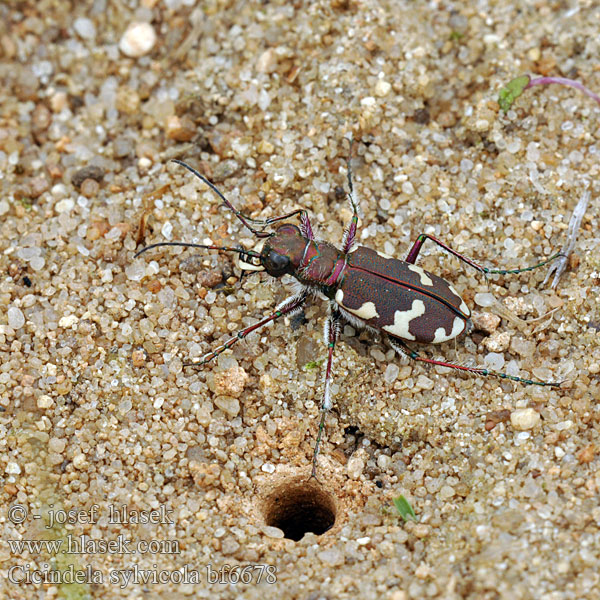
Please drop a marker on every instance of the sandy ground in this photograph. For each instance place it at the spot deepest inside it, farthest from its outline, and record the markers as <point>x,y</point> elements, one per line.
<point>145,479</point>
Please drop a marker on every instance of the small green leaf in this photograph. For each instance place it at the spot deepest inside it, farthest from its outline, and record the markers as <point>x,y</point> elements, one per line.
<point>25,202</point>
<point>511,91</point>
<point>404,508</point>
<point>313,364</point>
<point>455,36</point>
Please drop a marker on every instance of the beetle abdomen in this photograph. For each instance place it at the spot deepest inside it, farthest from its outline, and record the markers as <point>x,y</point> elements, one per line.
<point>400,298</point>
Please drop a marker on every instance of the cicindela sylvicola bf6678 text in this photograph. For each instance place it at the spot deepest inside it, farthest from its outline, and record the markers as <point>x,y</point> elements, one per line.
<point>363,287</point>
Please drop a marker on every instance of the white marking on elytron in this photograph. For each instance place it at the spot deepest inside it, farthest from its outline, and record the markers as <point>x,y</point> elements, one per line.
<point>441,335</point>
<point>463,306</point>
<point>366,311</point>
<point>402,319</point>
<point>383,254</point>
<point>425,279</point>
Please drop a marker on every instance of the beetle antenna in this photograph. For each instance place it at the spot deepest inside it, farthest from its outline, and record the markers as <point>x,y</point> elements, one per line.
<point>213,187</point>
<point>248,255</point>
<point>351,197</point>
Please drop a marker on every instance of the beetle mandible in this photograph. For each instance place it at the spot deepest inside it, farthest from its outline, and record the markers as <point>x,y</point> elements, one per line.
<point>363,287</point>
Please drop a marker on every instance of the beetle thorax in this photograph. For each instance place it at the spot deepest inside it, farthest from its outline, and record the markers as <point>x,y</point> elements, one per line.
<point>312,263</point>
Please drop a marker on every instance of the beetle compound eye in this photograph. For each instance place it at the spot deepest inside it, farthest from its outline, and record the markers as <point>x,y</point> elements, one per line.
<point>277,264</point>
<point>288,229</point>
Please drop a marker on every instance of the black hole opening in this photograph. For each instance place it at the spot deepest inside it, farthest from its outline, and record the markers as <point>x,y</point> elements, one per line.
<point>299,509</point>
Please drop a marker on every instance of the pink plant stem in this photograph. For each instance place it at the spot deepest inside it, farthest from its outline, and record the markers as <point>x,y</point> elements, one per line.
<point>563,81</point>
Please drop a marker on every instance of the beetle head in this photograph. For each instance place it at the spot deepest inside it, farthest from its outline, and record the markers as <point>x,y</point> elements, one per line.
<point>283,251</point>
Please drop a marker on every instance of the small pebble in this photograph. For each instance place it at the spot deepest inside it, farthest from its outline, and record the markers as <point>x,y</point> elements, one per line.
<point>90,188</point>
<point>229,405</point>
<point>514,145</point>
<point>377,354</point>
<point>494,361</point>
<point>125,406</point>
<point>229,546</point>
<point>484,299</point>
<point>332,556</point>
<point>499,341</point>
<point>204,474</point>
<point>138,40</point>
<point>391,373</point>
<point>89,172</point>
<point>84,28</point>
<point>267,61</point>
<point>123,147</point>
<point>231,382</point>
<point>135,271</point>
<point>79,461</point>
<point>209,279</point>
<point>58,101</point>
<point>521,346</point>
<point>41,118</point>
<point>225,169</point>
<point>383,461</point>
<point>57,445</point>
<point>68,321</point>
<point>424,383</point>
<point>355,467</point>
<point>16,318</point>
<point>421,530</point>
<point>482,125</point>
<point>180,129</point>
<point>586,455</point>
<point>45,401</point>
<point>64,206</point>
<point>37,263</point>
<point>382,88</point>
<point>446,492</point>
<point>37,186</point>
<point>272,532</point>
<point>12,468</point>
<point>138,358</point>
<point>523,419</point>
<point>265,147</point>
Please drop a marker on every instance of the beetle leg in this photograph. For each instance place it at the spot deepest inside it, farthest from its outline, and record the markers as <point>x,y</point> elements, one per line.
<point>399,346</point>
<point>290,305</point>
<point>559,267</point>
<point>305,226</point>
<point>350,231</point>
<point>414,252</point>
<point>332,331</point>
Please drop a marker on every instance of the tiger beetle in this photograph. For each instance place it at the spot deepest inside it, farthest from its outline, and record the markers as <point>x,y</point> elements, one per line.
<point>364,287</point>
